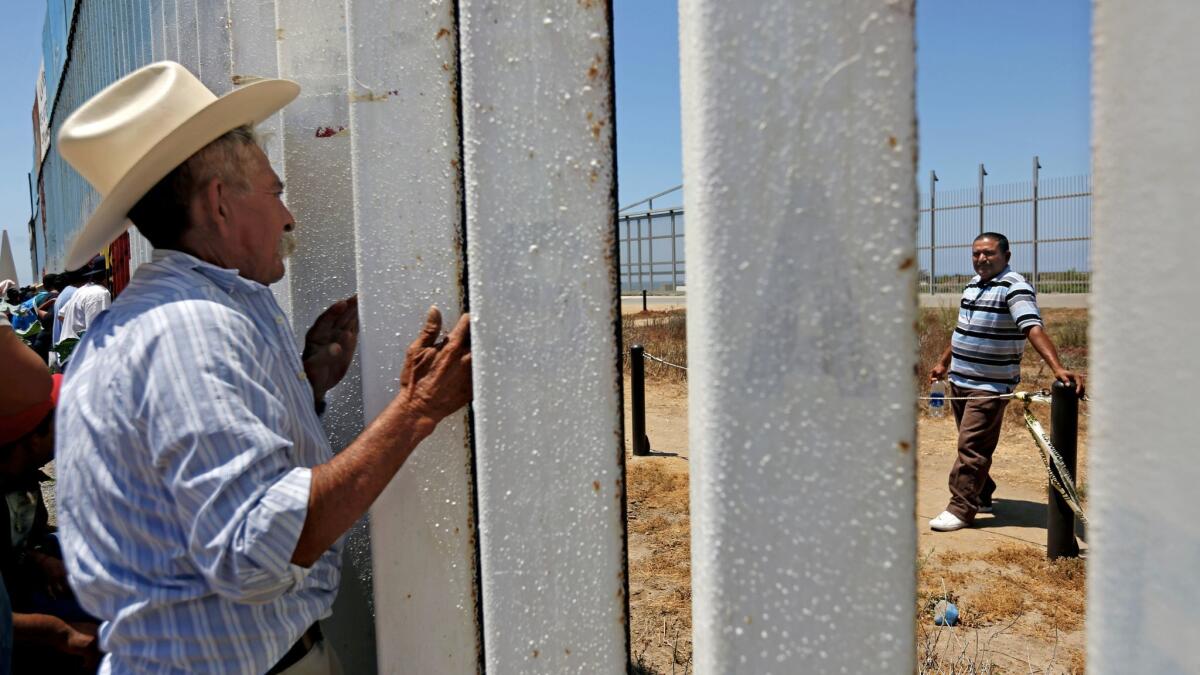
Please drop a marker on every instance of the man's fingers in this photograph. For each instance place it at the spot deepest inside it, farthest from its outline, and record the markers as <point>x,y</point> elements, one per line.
<point>429,333</point>
<point>460,337</point>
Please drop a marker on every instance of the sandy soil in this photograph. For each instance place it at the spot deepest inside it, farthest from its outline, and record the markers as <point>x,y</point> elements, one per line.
<point>1019,613</point>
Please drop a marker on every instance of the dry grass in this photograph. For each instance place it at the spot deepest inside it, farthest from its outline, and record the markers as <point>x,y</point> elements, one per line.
<point>661,333</point>
<point>1013,588</point>
<point>661,608</point>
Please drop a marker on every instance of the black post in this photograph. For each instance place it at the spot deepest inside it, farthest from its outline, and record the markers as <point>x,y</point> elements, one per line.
<point>1064,436</point>
<point>644,300</point>
<point>637,376</point>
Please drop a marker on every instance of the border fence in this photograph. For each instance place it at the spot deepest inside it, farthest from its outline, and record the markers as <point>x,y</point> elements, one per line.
<point>1048,223</point>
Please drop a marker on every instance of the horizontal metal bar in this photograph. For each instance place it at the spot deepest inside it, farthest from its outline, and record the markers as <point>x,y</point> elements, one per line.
<point>650,198</point>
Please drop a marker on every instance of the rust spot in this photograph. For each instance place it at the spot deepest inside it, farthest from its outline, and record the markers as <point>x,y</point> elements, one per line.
<point>408,596</point>
<point>442,32</point>
<point>329,132</point>
<point>596,485</point>
<point>597,127</point>
<point>567,652</point>
<point>908,262</point>
<point>278,33</point>
<point>446,67</point>
<point>369,97</point>
<point>587,4</point>
<point>892,141</point>
<point>593,72</point>
<point>456,530</point>
<point>749,620</point>
<point>535,653</point>
<point>590,116</point>
<point>454,163</point>
<point>904,446</point>
<point>239,80</point>
<point>593,176</point>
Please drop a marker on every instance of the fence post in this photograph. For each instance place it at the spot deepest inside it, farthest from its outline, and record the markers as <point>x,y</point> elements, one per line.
<point>1064,432</point>
<point>644,308</point>
<point>1036,165</point>
<point>637,398</point>
<point>982,172</point>
<point>932,230</point>
<point>674,262</point>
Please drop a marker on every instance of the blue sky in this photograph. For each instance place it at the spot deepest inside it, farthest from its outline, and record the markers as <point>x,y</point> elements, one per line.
<point>997,82</point>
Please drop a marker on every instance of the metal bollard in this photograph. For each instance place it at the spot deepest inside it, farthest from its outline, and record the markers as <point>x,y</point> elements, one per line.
<point>644,309</point>
<point>1064,436</point>
<point>637,377</point>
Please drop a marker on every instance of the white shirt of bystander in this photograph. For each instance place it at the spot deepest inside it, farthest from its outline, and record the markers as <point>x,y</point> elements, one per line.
<point>82,310</point>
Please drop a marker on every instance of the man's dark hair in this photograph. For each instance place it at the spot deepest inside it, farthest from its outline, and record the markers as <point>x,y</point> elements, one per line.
<point>161,215</point>
<point>1001,240</point>
<point>52,282</point>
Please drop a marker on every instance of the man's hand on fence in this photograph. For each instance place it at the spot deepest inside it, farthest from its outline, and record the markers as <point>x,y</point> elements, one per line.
<point>1067,377</point>
<point>329,346</point>
<point>436,380</point>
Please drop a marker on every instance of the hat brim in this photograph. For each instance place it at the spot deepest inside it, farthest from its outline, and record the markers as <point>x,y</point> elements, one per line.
<point>249,104</point>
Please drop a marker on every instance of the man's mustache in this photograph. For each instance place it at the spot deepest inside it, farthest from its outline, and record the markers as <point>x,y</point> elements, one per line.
<point>287,244</point>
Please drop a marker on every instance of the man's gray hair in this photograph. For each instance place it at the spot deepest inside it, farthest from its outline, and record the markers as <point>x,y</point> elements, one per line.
<point>161,215</point>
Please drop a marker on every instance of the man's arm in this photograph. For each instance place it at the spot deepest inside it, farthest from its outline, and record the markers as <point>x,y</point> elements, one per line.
<point>435,383</point>
<point>938,372</point>
<point>1045,348</point>
<point>30,377</point>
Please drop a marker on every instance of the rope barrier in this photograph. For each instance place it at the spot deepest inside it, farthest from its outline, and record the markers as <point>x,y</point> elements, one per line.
<point>1056,466</point>
<point>665,363</point>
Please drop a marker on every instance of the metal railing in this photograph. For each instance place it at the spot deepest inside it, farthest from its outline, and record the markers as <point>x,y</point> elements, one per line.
<point>1048,224</point>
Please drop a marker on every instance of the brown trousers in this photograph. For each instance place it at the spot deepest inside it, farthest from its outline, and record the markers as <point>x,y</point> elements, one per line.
<point>978,432</point>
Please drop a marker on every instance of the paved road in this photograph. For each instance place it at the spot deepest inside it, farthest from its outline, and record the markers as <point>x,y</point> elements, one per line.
<point>631,304</point>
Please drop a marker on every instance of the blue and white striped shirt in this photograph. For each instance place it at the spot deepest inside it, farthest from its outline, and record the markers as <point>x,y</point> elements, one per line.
<point>988,342</point>
<point>185,440</point>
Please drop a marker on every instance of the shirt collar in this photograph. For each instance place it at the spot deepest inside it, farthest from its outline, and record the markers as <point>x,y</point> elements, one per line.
<point>227,279</point>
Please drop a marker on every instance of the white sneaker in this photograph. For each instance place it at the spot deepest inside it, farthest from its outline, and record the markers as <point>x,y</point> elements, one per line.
<point>947,522</point>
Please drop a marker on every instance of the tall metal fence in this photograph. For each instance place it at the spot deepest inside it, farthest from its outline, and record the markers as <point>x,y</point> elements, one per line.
<point>1048,223</point>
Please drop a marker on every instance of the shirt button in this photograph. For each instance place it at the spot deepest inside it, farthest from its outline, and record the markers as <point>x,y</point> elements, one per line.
<point>279,320</point>
<point>301,375</point>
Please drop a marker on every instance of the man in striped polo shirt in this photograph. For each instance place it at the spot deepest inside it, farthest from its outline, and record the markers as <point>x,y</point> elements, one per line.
<point>997,313</point>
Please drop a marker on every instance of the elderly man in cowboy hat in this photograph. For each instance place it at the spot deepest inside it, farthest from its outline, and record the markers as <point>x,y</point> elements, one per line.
<point>202,509</point>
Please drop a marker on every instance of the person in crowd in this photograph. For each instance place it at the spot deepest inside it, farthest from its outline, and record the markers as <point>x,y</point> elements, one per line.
<point>997,314</point>
<point>10,302</point>
<point>88,301</point>
<point>50,631</point>
<point>67,281</point>
<point>198,488</point>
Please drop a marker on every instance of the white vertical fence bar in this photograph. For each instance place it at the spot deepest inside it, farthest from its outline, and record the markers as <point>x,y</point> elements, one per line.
<point>253,53</point>
<point>537,118</point>
<point>311,38</point>
<point>1143,603</point>
<point>799,148</point>
<point>408,215</point>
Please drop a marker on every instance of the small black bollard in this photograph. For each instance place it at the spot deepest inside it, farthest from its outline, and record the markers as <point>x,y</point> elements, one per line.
<point>1064,436</point>
<point>637,378</point>
<point>644,309</point>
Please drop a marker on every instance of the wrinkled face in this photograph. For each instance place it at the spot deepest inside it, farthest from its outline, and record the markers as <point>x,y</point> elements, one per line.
<point>987,258</point>
<point>261,223</point>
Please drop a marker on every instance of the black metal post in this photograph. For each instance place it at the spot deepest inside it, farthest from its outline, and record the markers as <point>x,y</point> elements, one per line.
<point>644,300</point>
<point>637,377</point>
<point>1064,436</point>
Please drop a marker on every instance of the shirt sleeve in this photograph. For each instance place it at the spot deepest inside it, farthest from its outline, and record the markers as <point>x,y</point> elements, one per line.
<point>217,429</point>
<point>1022,305</point>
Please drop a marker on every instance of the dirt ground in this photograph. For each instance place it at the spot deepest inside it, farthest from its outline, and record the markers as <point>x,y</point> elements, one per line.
<point>1020,613</point>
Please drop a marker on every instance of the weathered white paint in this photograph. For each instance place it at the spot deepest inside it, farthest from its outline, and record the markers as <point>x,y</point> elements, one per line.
<point>316,146</point>
<point>540,240</point>
<point>1143,603</point>
<point>799,147</point>
<point>408,225</point>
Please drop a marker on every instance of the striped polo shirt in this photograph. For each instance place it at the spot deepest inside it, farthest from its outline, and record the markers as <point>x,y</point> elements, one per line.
<point>989,340</point>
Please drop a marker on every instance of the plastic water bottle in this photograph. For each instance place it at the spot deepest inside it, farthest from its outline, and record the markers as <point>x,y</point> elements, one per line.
<point>937,399</point>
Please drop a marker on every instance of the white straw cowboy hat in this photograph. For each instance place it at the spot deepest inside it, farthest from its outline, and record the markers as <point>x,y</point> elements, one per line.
<point>131,135</point>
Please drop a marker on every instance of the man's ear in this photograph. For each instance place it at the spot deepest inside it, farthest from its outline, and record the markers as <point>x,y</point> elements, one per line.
<point>209,205</point>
